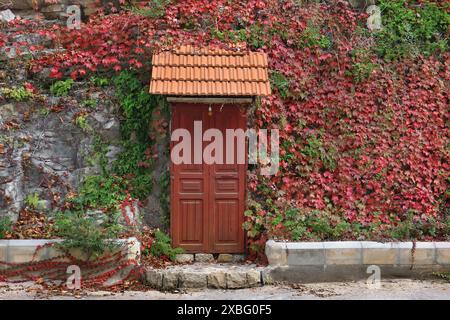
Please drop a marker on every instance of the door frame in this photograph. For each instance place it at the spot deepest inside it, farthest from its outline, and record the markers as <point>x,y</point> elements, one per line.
<point>209,220</point>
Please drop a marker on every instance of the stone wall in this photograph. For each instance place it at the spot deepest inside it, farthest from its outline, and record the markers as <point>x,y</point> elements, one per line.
<point>47,153</point>
<point>44,152</point>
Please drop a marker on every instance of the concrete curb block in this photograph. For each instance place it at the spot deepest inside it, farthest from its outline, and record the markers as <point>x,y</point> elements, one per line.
<point>22,251</point>
<point>348,260</point>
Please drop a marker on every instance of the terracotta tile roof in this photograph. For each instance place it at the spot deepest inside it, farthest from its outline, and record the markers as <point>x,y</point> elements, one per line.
<point>188,71</point>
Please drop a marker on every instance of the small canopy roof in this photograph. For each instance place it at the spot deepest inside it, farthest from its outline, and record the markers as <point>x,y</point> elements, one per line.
<point>190,71</point>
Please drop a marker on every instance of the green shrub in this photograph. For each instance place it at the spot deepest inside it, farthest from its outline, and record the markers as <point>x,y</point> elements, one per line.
<point>5,226</point>
<point>410,28</point>
<point>100,191</point>
<point>85,233</point>
<point>162,246</point>
<point>61,88</point>
<point>18,94</point>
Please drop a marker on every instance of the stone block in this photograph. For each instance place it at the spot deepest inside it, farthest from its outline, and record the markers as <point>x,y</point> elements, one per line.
<point>343,253</point>
<point>170,280</point>
<point>443,253</point>
<point>236,280</point>
<point>424,253</point>
<point>217,280</point>
<point>276,253</point>
<point>193,280</point>
<point>238,257</point>
<point>254,278</point>
<point>184,258</point>
<point>7,15</point>
<point>378,253</point>
<point>305,253</point>
<point>154,278</point>
<point>266,277</point>
<point>225,258</point>
<point>204,257</point>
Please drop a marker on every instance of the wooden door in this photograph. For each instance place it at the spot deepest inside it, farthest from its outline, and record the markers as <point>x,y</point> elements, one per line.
<point>207,200</point>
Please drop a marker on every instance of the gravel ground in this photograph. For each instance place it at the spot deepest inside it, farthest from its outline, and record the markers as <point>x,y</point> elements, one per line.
<point>392,289</point>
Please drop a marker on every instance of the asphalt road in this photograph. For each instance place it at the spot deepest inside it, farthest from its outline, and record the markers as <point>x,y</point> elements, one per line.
<point>390,289</point>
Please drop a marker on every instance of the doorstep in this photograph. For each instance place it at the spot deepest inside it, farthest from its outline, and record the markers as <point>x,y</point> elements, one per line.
<point>350,260</point>
<point>207,275</point>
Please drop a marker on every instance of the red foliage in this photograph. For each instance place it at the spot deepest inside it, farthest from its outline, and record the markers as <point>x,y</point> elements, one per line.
<point>386,136</point>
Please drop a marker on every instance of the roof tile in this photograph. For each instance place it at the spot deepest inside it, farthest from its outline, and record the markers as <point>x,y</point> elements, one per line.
<point>192,71</point>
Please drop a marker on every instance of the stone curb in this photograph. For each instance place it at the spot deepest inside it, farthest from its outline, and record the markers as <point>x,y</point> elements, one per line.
<point>348,260</point>
<point>184,277</point>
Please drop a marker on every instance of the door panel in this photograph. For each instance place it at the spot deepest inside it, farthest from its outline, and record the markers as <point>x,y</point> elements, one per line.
<point>227,187</point>
<point>207,205</point>
<point>189,203</point>
<point>226,222</point>
<point>192,218</point>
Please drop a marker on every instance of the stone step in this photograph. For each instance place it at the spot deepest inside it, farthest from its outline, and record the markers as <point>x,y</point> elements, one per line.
<point>206,275</point>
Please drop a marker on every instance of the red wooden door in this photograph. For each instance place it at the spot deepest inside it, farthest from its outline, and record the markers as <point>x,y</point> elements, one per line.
<point>207,200</point>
